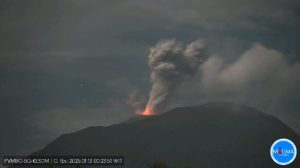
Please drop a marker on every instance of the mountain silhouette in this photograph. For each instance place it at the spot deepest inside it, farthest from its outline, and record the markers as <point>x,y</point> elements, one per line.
<point>212,135</point>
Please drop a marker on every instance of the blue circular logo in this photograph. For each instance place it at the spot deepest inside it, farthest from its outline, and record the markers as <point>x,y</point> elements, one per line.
<point>283,151</point>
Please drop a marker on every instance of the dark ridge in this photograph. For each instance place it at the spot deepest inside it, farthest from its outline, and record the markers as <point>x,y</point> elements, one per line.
<point>212,135</point>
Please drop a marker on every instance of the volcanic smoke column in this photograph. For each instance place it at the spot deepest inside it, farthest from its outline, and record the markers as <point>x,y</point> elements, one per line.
<point>171,62</point>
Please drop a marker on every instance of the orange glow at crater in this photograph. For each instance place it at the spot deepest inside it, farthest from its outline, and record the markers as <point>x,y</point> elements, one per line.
<point>146,112</point>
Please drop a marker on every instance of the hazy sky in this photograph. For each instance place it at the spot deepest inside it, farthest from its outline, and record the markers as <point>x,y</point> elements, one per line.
<point>69,64</point>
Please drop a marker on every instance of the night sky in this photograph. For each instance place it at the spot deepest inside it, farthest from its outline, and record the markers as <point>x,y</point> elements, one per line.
<point>69,64</point>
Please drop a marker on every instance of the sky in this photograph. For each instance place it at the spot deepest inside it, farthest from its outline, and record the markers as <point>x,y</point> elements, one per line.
<point>69,64</point>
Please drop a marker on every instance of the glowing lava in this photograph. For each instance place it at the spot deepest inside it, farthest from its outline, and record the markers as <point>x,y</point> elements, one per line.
<point>148,112</point>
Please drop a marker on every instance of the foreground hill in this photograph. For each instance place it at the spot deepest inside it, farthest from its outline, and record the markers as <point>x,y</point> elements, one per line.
<point>212,135</point>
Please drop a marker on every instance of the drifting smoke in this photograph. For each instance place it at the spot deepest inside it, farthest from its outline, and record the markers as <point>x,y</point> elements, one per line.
<point>136,101</point>
<point>171,62</point>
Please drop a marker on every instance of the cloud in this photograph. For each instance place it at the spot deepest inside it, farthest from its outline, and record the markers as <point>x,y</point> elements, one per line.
<point>254,65</point>
<point>213,13</point>
<point>260,77</point>
<point>64,26</point>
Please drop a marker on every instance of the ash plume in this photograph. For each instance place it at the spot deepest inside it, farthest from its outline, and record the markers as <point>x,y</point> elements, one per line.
<point>171,62</point>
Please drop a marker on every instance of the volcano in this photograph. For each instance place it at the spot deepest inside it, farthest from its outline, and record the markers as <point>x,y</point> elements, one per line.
<point>212,135</point>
